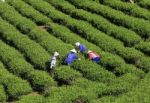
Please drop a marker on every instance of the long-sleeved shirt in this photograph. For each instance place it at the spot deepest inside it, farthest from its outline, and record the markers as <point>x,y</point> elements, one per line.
<point>82,48</point>
<point>93,55</point>
<point>70,58</point>
<point>53,62</point>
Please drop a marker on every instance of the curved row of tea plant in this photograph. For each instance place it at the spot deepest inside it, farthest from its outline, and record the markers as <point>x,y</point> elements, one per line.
<point>129,38</point>
<point>93,75</point>
<point>85,64</point>
<point>34,52</point>
<point>13,85</point>
<point>140,94</point>
<point>17,65</point>
<point>128,8</point>
<point>144,3</point>
<point>45,36</point>
<point>30,29</point>
<point>108,60</point>
<point>31,99</point>
<point>144,47</point>
<point>91,90</point>
<point>3,96</point>
<point>58,29</point>
<point>87,31</point>
<point>80,89</point>
<point>66,75</point>
<point>138,25</point>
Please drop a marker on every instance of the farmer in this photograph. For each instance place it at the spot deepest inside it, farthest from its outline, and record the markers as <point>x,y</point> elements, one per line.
<point>93,56</point>
<point>71,57</point>
<point>53,60</point>
<point>80,47</point>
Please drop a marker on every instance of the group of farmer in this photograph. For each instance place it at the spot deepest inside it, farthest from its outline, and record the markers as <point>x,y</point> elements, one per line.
<point>72,55</point>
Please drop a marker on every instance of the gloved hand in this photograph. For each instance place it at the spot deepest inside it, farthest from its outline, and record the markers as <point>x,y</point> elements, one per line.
<point>78,51</point>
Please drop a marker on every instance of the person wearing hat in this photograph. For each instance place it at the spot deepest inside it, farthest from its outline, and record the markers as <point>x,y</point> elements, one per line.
<point>93,56</point>
<point>71,57</point>
<point>80,47</point>
<point>53,60</point>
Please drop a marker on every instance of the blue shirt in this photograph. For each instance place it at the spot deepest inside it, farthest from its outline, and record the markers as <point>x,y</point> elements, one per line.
<point>70,58</point>
<point>82,48</point>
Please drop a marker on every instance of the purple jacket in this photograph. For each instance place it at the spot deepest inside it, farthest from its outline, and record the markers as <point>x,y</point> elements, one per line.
<point>82,48</point>
<point>70,58</point>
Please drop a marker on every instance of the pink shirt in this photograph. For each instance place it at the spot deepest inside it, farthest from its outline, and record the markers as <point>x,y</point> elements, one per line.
<point>93,55</point>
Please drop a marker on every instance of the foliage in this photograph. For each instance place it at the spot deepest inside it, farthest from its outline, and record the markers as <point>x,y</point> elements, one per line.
<point>141,26</point>
<point>31,99</point>
<point>31,30</point>
<point>3,96</point>
<point>128,8</point>
<point>144,47</point>
<point>93,71</point>
<point>128,37</point>
<point>144,3</point>
<point>18,66</point>
<point>66,75</point>
<point>11,81</point>
<point>34,52</point>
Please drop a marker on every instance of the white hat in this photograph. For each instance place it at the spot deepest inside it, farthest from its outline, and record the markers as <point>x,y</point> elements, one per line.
<point>89,51</point>
<point>56,54</point>
<point>73,50</point>
<point>77,43</point>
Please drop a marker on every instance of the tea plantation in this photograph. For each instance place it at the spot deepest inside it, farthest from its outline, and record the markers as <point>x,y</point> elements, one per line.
<point>31,30</point>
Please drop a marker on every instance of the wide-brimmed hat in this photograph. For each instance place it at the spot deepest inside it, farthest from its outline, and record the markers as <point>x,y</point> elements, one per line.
<point>77,44</point>
<point>73,50</point>
<point>56,53</point>
<point>89,51</point>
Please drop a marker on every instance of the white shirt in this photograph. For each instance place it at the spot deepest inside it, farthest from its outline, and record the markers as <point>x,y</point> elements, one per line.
<point>53,62</point>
